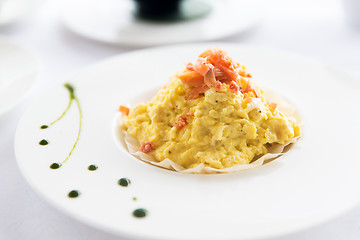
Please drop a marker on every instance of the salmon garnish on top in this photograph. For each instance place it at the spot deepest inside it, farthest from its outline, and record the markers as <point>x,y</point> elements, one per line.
<point>212,68</point>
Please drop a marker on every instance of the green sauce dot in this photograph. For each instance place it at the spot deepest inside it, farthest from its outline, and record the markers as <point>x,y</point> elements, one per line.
<point>44,126</point>
<point>124,182</point>
<point>44,142</point>
<point>74,194</point>
<point>140,213</point>
<point>92,167</point>
<point>55,165</point>
<point>134,198</point>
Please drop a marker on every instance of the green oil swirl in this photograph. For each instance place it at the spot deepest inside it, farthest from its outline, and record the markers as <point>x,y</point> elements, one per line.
<point>72,98</point>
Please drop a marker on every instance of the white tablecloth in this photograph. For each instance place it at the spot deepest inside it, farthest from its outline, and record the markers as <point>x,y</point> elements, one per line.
<point>314,28</point>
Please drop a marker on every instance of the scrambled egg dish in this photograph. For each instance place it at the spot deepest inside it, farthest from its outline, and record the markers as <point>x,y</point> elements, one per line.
<point>210,113</point>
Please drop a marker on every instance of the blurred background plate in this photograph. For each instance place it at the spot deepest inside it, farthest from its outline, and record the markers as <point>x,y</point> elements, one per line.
<point>13,10</point>
<point>114,22</point>
<point>18,70</point>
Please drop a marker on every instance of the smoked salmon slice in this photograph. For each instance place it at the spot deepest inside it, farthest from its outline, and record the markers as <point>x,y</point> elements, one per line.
<point>212,68</point>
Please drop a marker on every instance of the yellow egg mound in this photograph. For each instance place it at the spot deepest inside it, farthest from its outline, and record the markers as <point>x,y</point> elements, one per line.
<point>220,128</point>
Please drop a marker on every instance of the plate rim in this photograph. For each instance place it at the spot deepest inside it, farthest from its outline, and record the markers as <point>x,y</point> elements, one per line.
<point>286,232</point>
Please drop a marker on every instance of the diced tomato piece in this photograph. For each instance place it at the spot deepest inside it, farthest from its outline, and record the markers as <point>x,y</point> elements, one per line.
<point>181,122</point>
<point>147,147</point>
<point>124,110</point>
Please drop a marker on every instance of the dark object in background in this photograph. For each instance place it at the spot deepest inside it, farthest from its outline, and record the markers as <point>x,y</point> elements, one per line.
<point>170,10</point>
<point>157,8</point>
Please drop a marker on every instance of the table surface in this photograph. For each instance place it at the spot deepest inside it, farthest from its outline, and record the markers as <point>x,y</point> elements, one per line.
<point>313,28</point>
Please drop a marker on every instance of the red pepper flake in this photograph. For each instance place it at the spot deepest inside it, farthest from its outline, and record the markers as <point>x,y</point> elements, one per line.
<point>181,122</point>
<point>147,147</point>
<point>234,87</point>
<point>249,75</point>
<point>124,110</point>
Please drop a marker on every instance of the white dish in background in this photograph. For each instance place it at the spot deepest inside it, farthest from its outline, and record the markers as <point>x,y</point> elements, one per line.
<point>314,183</point>
<point>13,10</point>
<point>351,12</point>
<point>113,22</point>
<point>18,70</point>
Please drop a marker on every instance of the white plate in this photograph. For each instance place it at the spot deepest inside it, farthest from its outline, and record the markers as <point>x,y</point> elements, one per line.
<point>18,70</point>
<point>13,10</point>
<point>112,21</point>
<point>315,182</point>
